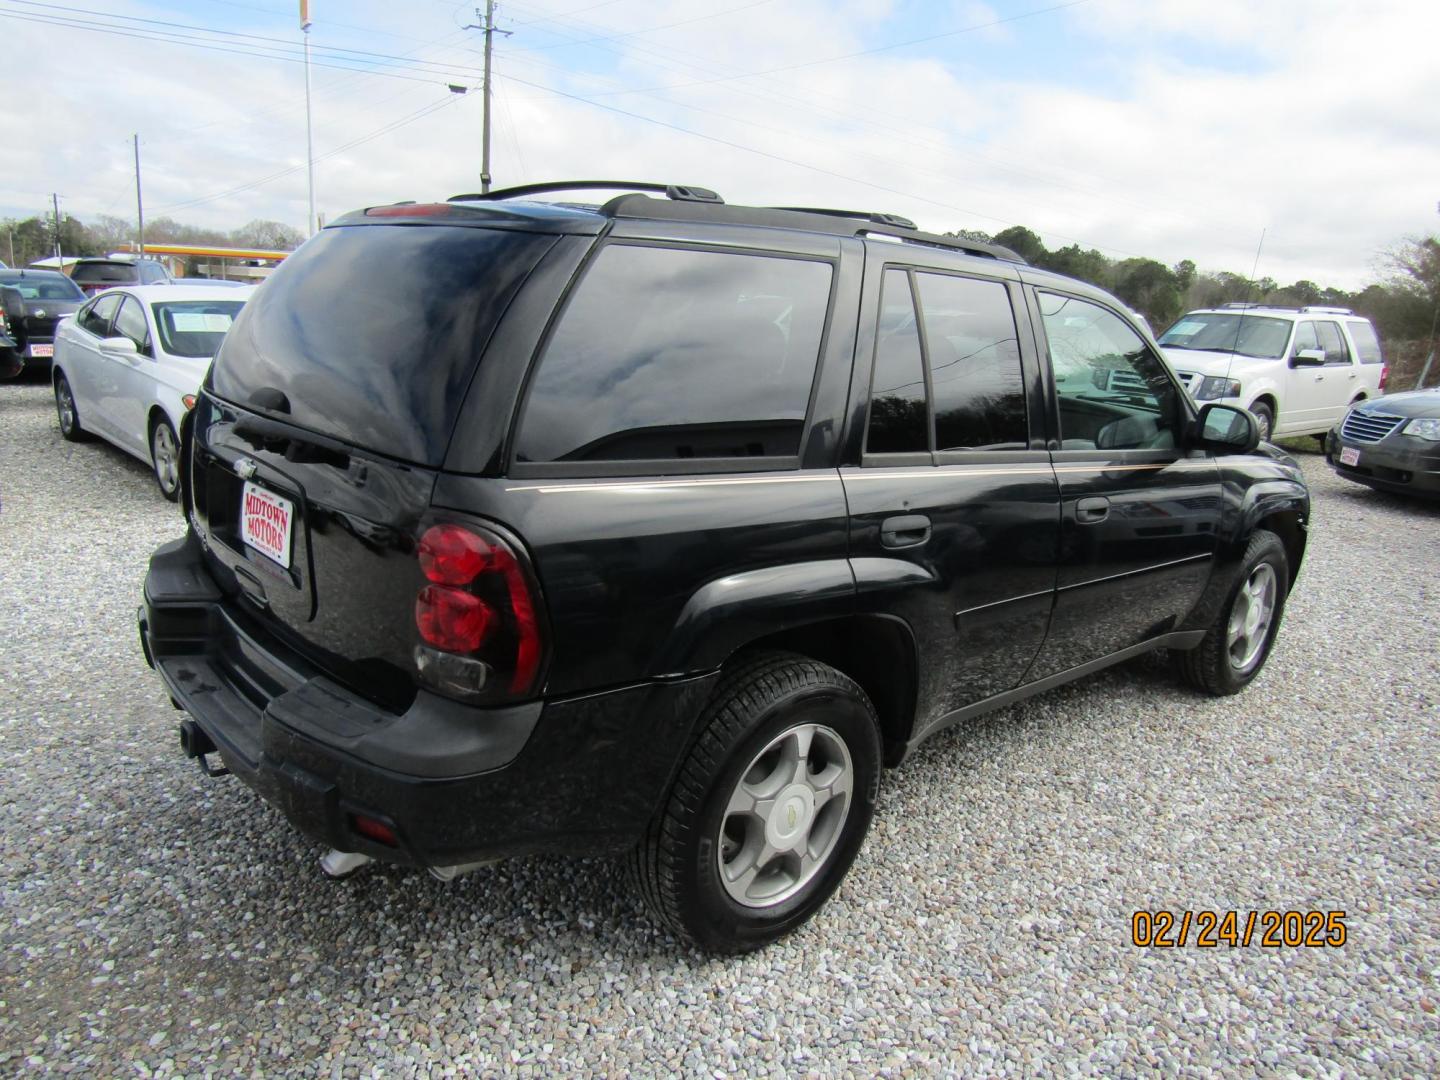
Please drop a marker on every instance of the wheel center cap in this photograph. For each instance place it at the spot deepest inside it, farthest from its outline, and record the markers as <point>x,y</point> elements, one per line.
<point>790,820</point>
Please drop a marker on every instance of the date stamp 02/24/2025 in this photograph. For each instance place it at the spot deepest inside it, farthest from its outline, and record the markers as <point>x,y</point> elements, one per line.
<point>1206,929</point>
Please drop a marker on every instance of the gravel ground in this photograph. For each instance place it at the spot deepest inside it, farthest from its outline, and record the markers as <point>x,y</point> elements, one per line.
<point>157,921</point>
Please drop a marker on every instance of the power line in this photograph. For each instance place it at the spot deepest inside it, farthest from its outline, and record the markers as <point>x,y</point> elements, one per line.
<point>385,129</point>
<point>879,48</point>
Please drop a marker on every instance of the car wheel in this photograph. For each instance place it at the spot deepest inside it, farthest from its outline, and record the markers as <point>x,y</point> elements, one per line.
<point>67,411</point>
<point>1265,418</point>
<point>769,809</point>
<point>1239,640</point>
<point>165,457</point>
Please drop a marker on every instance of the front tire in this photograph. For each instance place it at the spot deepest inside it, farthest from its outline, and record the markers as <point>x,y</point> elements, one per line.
<point>1239,641</point>
<point>165,458</point>
<point>769,809</point>
<point>1265,419</point>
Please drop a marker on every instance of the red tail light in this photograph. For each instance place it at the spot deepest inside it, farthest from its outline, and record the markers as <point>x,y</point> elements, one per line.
<point>478,618</point>
<point>452,619</point>
<point>1384,376</point>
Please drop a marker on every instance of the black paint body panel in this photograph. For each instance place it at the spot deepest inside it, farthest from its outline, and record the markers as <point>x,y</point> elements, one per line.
<point>653,575</point>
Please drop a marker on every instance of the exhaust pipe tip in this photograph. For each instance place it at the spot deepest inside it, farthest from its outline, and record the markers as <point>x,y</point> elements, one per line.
<point>338,864</point>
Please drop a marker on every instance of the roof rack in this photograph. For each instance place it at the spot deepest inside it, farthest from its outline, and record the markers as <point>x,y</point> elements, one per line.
<point>1324,310</point>
<point>677,192</point>
<point>1250,305</point>
<point>686,202</point>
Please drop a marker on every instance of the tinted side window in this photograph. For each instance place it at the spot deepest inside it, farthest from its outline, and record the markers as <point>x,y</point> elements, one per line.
<point>130,323</point>
<point>96,318</point>
<point>1113,392</point>
<point>1366,343</point>
<point>974,364</point>
<point>1333,342</point>
<point>1305,338</point>
<point>671,354</point>
<point>899,420</point>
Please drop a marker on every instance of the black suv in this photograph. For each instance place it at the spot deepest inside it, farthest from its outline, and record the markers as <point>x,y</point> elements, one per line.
<point>660,526</point>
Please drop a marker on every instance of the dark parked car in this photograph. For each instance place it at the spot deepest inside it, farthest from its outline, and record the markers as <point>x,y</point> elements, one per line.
<point>661,526</point>
<point>32,302</point>
<point>97,275</point>
<point>1391,444</point>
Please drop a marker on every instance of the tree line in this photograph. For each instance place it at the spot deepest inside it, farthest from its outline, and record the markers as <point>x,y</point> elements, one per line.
<point>29,239</point>
<point>1403,305</point>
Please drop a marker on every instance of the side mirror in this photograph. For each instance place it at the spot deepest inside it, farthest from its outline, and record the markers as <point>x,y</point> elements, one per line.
<point>119,347</point>
<point>1308,358</point>
<point>1226,429</point>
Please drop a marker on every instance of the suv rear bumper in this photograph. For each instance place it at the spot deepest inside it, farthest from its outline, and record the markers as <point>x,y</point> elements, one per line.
<point>457,784</point>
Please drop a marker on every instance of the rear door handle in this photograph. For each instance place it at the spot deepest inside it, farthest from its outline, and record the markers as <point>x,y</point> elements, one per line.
<point>1088,511</point>
<point>905,531</point>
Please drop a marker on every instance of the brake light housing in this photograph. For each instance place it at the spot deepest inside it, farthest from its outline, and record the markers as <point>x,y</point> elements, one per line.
<point>481,635</point>
<point>1384,376</point>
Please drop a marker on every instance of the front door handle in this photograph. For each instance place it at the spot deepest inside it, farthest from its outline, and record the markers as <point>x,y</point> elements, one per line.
<point>1088,511</point>
<point>905,531</point>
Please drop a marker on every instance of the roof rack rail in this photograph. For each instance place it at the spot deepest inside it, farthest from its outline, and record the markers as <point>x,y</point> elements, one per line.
<point>834,222</point>
<point>677,192</point>
<point>1323,309</point>
<point>1250,305</point>
<point>859,215</point>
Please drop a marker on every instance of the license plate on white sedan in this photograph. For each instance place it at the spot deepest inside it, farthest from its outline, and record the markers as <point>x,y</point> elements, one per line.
<point>1349,455</point>
<point>42,350</point>
<point>265,522</point>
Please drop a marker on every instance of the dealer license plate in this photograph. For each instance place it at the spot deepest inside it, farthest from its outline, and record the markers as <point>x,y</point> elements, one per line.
<point>265,522</point>
<point>42,350</point>
<point>1349,455</point>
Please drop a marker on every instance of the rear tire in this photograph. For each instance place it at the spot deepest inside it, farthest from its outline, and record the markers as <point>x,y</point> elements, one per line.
<point>67,411</point>
<point>165,458</point>
<point>1239,641</point>
<point>769,808</point>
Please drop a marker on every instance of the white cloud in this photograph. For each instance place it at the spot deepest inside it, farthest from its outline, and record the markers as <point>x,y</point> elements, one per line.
<point>1213,120</point>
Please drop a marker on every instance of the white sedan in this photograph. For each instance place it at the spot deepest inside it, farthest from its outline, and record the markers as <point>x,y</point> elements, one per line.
<point>129,364</point>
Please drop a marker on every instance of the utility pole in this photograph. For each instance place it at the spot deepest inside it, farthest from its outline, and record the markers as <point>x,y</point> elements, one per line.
<point>309,136</point>
<point>139,202</point>
<point>55,202</point>
<point>489,27</point>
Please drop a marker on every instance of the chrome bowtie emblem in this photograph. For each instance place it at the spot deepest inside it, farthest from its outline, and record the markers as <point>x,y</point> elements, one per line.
<point>245,468</point>
<point>790,816</point>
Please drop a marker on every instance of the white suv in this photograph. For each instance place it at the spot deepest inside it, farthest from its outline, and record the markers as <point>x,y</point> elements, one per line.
<point>1296,369</point>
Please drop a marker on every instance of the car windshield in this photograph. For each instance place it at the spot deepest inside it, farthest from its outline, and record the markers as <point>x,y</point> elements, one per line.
<point>32,288</point>
<point>109,273</point>
<point>194,328</point>
<point>1242,333</point>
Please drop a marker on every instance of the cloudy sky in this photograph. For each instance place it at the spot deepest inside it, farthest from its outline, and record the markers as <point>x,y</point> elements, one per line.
<point>1167,128</point>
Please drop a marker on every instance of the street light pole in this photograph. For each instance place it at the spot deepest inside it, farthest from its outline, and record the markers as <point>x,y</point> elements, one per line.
<point>309,136</point>
<point>139,202</point>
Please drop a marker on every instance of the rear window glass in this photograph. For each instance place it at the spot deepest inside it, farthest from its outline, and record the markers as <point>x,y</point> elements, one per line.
<point>1366,343</point>
<point>44,288</point>
<point>195,327</point>
<point>668,354</point>
<point>372,332</point>
<point>109,273</point>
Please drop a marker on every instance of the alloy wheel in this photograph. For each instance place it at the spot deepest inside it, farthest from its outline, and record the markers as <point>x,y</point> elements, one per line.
<point>785,815</point>
<point>1250,617</point>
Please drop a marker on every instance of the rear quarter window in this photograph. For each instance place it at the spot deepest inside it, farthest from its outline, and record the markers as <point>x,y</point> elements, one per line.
<point>1367,345</point>
<point>668,354</point>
